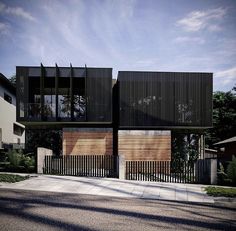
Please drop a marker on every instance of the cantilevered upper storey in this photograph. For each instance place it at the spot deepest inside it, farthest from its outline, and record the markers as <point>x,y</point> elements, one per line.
<point>64,95</point>
<point>164,100</point>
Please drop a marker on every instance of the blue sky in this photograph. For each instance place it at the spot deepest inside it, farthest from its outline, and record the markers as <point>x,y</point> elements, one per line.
<point>155,35</point>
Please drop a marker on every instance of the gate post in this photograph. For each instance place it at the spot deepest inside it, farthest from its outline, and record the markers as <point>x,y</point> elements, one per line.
<point>121,167</point>
<point>206,171</point>
<point>213,171</point>
<point>41,153</point>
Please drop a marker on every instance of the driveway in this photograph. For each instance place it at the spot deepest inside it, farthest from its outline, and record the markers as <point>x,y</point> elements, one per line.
<point>113,187</point>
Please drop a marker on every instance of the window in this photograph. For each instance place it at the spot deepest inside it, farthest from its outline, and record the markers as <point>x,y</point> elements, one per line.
<point>18,130</point>
<point>8,98</point>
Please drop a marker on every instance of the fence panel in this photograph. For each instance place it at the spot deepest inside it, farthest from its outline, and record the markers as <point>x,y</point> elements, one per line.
<point>81,165</point>
<point>161,171</point>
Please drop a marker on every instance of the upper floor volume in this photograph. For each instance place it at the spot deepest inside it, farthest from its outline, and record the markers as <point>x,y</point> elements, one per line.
<point>165,99</point>
<point>65,94</point>
<point>71,96</point>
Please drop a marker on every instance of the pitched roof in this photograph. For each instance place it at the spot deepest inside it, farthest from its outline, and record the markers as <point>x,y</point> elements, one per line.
<point>230,140</point>
<point>4,81</point>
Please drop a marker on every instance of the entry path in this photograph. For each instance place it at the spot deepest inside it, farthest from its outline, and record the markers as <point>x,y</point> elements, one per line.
<point>113,187</point>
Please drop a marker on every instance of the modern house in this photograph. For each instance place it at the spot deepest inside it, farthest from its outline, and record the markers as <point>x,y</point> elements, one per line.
<point>226,149</point>
<point>12,133</point>
<point>135,116</point>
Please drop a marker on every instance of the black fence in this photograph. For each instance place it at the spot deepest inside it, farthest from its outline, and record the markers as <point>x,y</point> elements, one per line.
<point>161,171</point>
<point>81,165</point>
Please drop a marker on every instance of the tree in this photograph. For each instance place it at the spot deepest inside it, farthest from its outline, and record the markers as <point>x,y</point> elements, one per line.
<point>185,148</point>
<point>12,79</point>
<point>224,117</point>
<point>46,138</point>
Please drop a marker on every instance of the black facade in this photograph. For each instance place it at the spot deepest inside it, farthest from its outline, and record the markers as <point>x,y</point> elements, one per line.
<point>164,99</point>
<point>64,94</point>
<point>79,96</point>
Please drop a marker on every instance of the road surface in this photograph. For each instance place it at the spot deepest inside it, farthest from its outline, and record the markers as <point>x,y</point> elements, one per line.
<point>33,210</point>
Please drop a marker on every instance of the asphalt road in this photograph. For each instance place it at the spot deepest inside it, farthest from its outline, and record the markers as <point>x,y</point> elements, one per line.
<point>32,210</point>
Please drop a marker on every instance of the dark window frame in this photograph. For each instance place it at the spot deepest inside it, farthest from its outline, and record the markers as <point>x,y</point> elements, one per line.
<point>7,98</point>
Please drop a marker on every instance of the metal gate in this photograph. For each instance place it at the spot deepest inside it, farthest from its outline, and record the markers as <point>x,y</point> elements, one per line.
<point>166,171</point>
<point>81,165</point>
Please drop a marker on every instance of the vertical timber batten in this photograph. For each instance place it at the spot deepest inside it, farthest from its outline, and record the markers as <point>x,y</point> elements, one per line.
<point>42,74</point>
<point>71,93</point>
<point>85,93</point>
<point>56,89</point>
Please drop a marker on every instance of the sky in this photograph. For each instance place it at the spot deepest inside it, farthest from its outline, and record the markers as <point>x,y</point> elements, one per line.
<point>149,35</point>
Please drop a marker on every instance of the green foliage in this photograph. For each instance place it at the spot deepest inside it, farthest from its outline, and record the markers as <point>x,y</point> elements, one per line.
<point>231,171</point>
<point>12,79</point>
<point>224,117</point>
<point>46,138</point>
<point>221,175</point>
<point>228,178</point>
<point>220,191</point>
<point>184,146</point>
<point>19,162</point>
<point>14,158</point>
<point>184,149</point>
<point>10,178</point>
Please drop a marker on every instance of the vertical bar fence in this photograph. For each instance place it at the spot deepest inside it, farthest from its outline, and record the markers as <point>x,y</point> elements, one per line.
<point>81,165</point>
<point>162,171</point>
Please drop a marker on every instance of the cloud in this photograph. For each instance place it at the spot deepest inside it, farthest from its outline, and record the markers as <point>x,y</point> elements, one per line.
<point>16,11</point>
<point>186,39</point>
<point>199,20</point>
<point>227,76</point>
<point>4,28</point>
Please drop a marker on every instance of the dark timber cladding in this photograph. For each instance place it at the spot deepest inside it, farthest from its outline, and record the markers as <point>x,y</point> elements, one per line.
<point>64,94</point>
<point>165,99</point>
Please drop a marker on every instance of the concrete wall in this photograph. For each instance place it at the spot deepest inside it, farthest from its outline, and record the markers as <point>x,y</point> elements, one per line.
<point>41,153</point>
<point>7,119</point>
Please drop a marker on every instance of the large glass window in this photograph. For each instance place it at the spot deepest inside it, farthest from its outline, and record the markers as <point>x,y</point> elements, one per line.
<point>18,130</point>
<point>21,96</point>
<point>34,105</point>
<point>64,99</point>
<point>79,101</point>
<point>49,94</point>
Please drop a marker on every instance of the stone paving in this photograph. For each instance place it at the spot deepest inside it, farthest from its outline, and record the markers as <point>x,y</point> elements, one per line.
<point>113,187</point>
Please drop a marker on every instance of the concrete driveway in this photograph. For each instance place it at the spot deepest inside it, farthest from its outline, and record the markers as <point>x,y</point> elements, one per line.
<point>113,187</point>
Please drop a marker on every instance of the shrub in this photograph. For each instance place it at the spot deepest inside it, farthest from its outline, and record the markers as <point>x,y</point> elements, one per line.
<point>10,178</point>
<point>221,175</point>
<point>220,192</point>
<point>231,171</point>
<point>19,162</point>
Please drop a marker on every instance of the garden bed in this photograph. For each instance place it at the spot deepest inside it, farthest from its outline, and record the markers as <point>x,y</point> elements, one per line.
<point>12,178</point>
<point>220,191</point>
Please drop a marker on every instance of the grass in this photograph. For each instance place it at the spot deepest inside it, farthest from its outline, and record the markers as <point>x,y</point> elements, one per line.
<point>12,178</point>
<point>220,191</point>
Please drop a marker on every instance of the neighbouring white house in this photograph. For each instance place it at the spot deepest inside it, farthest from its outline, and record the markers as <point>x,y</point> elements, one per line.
<point>12,133</point>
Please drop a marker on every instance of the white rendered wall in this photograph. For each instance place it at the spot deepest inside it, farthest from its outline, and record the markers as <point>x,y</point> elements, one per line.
<point>8,118</point>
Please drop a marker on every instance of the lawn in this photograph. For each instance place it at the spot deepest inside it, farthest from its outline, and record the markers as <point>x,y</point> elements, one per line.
<point>220,191</point>
<point>12,178</point>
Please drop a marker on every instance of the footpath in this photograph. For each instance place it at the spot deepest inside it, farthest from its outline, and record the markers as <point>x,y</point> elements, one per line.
<point>113,188</point>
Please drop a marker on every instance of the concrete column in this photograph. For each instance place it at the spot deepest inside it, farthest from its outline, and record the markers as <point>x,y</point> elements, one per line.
<point>41,153</point>
<point>121,167</point>
<point>213,171</point>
